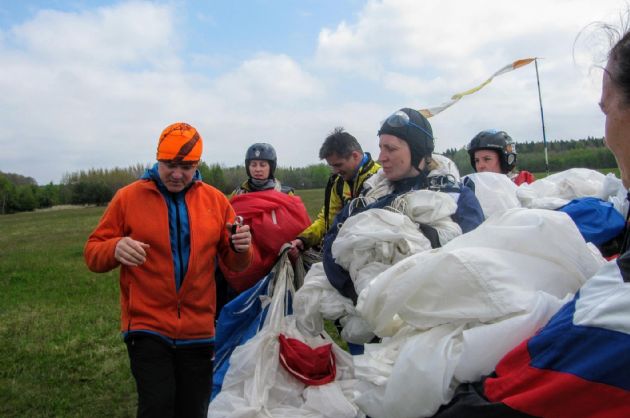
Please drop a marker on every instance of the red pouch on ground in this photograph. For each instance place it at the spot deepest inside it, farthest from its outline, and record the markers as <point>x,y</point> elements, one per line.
<point>311,366</point>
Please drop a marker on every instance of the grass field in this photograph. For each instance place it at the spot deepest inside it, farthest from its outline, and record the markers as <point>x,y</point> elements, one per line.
<point>61,353</point>
<point>313,200</point>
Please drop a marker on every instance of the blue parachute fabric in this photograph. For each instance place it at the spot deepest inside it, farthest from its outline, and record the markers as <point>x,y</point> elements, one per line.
<point>240,320</point>
<point>598,221</point>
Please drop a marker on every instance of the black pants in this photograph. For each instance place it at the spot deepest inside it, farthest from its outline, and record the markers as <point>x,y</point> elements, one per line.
<point>470,402</point>
<point>172,382</point>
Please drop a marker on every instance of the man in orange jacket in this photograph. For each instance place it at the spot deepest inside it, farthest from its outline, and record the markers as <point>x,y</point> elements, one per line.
<point>165,231</point>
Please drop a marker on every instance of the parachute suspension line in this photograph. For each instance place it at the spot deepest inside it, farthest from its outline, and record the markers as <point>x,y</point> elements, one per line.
<point>399,204</point>
<point>359,202</point>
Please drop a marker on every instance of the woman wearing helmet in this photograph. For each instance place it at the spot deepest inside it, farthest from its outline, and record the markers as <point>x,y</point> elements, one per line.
<point>260,165</point>
<point>494,151</point>
<point>272,210</point>
<point>408,163</point>
<point>408,183</point>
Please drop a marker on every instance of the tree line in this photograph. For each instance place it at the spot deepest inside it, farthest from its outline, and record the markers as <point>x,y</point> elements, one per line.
<point>97,186</point>
<point>562,155</point>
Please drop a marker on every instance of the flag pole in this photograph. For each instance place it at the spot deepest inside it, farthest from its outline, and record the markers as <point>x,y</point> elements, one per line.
<point>542,117</point>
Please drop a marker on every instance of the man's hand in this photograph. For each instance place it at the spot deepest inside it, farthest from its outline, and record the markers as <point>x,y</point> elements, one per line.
<point>297,246</point>
<point>241,239</point>
<point>130,252</point>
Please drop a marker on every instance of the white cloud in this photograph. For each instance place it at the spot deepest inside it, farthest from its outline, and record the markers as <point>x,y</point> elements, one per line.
<point>135,33</point>
<point>420,53</point>
<point>80,89</point>
<point>95,88</point>
<point>267,79</point>
<point>416,35</point>
<point>101,93</point>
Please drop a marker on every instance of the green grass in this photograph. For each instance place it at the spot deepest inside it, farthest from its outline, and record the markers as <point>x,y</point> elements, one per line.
<point>313,200</point>
<point>61,353</point>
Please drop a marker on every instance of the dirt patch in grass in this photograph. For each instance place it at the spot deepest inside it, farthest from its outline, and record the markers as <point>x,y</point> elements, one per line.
<point>62,207</point>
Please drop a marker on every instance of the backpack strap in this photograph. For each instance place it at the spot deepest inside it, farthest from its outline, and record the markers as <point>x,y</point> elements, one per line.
<point>431,234</point>
<point>339,189</point>
<point>327,195</point>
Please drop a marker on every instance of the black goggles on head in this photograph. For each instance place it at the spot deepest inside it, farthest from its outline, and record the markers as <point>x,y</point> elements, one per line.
<point>400,119</point>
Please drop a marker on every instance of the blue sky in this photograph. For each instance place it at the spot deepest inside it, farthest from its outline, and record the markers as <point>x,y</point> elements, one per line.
<point>90,84</point>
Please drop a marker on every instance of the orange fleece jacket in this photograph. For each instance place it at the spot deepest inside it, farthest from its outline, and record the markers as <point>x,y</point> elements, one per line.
<point>148,298</point>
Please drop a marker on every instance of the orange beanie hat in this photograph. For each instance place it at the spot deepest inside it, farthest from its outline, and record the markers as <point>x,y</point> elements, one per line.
<point>179,142</point>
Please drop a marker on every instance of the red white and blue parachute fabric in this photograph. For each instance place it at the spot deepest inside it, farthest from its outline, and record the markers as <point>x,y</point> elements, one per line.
<point>578,365</point>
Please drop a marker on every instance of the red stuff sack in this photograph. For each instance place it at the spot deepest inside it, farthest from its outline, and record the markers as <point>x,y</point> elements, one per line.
<point>274,219</point>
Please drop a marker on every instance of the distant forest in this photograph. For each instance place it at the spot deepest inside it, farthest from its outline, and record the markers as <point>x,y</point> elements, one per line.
<point>97,186</point>
<point>586,153</point>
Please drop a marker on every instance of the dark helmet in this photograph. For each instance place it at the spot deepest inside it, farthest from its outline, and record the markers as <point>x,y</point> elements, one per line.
<point>494,140</point>
<point>412,127</point>
<point>261,151</point>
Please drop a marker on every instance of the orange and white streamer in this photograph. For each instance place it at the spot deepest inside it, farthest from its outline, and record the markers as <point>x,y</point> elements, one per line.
<point>432,111</point>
